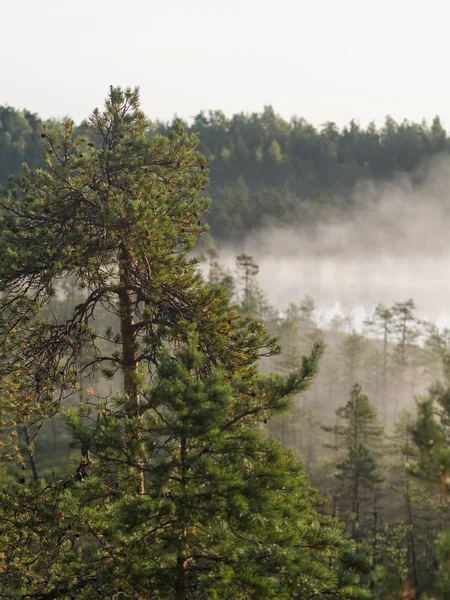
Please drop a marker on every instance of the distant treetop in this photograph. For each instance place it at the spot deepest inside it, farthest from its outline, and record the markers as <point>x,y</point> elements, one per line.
<point>264,166</point>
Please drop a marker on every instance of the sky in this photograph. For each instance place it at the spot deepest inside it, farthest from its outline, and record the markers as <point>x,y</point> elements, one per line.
<point>324,60</point>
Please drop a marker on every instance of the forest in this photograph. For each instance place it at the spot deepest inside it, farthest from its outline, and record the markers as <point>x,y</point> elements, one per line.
<point>167,433</point>
<point>266,170</point>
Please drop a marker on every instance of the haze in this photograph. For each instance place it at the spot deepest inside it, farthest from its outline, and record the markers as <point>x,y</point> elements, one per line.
<point>393,247</point>
<point>323,60</point>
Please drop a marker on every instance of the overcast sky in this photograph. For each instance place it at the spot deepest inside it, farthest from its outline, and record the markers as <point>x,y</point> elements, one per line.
<point>325,60</point>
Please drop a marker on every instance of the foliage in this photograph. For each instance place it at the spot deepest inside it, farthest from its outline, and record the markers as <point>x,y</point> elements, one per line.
<point>267,169</point>
<point>177,493</point>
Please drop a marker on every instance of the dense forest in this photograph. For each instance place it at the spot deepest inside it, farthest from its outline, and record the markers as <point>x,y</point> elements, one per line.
<point>265,169</point>
<point>165,432</point>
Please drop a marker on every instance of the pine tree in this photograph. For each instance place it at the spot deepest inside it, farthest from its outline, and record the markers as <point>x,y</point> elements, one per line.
<point>402,448</point>
<point>442,583</point>
<point>119,218</point>
<point>406,331</point>
<point>225,507</point>
<point>226,511</point>
<point>381,323</point>
<point>358,469</point>
<point>430,467</point>
<point>180,497</point>
<point>251,293</point>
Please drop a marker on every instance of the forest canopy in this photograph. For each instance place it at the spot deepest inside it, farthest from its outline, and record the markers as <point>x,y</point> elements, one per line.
<point>266,169</point>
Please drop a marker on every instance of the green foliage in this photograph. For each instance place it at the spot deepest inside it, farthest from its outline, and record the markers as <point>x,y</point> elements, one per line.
<point>360,420</point>
<point>266,168</point>
<point>355,441</point>
<point>20,141</point>
<point>118,217</point>
<point>177,493</point>
<point>226,512</point>
<point>443,577</point>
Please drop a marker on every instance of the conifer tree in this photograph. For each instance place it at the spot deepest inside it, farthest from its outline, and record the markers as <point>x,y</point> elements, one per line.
<point>251,293</point>
<point>358,469</point>
<point>297,333</point>
<point>406,331</point>
<point>297,330</point>
<point>217,274</point>
<point>226,512</point>
<point>402,451</point>
<point>381,323</point>
<point>252,299</point>
<point>118,216</point>
<point>430,466</point>
<point>441,586</point>
<point>180,497</point>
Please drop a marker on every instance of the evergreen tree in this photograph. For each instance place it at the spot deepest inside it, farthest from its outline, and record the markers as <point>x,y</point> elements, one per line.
<point>430,467</point>
<point>406,332</point>
<point>442,583</point>
<point>87,216</point>
<point>381,324</point>
<point>358,470</point>
<point>253,301</point>
<point>217,274</point>
<point>297,333</point>
<point>266,168</point>
<point>177,495</point>
<point>411,506</point>
<point>402,451</point>
<point>248,270</point>
<point>226,511</point>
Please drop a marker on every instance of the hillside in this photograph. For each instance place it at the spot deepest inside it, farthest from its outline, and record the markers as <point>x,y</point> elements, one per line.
<point>266,169</point>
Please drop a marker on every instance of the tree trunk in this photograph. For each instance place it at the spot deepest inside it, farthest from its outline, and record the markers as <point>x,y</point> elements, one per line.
<point>412,542</point>
<point>375,523</point>
<point>180,582</point>
<point>30,454</point>
<point>411,537</point>
<point>385,342</point>
<point>356,532</point>
<point>129,346</point>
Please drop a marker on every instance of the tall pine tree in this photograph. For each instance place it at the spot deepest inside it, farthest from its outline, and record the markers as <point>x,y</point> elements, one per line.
<point>177,495</point>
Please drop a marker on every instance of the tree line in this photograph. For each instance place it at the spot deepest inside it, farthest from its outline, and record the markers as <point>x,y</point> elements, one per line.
<point>266,169</point>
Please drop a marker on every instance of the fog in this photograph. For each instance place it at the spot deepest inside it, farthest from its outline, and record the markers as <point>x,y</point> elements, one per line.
<point>392,244</point>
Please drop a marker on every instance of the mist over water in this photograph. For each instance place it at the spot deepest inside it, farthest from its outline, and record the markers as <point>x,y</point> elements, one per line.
<point>392,244</point>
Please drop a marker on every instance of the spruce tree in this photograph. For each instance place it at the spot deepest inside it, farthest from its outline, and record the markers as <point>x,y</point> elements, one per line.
<point>411,505</point>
